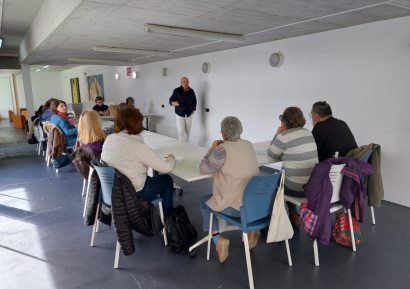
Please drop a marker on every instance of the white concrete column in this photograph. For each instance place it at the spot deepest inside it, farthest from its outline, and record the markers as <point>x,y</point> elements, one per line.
<point>28,90</point>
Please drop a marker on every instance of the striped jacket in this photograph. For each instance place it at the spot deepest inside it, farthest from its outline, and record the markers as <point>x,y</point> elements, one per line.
<point>296,147</point>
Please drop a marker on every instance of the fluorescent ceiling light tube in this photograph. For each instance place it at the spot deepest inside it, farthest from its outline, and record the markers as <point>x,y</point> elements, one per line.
<point>46,66</point>
<point>128,50</point>
<point>98,61</point>
<point>209,35</point>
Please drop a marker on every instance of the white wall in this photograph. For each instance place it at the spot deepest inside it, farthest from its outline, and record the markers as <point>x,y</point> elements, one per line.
<point>45,85</point>
<point>362,71</point>
<point>6,101</point>
<point>115,91</point>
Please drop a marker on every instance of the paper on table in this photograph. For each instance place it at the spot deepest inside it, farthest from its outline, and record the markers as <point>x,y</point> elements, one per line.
<point>177,157</point>
<point>276,166</point>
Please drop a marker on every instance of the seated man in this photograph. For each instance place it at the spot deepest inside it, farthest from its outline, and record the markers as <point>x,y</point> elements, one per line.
<point>232,161</point>
<point>331,134</point>
<point>100,107</point>
<point>295,146</point>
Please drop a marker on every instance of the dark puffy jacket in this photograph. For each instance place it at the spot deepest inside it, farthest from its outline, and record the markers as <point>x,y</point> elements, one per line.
<point>130,212</point>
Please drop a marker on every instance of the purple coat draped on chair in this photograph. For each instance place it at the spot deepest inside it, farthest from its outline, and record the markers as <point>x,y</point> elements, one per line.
<point>318,191</point>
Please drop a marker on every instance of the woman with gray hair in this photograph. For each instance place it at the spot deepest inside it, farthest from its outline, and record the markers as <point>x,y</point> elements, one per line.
<point>232,161</point>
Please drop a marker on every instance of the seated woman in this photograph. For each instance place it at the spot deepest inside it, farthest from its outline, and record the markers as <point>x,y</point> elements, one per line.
<point>46,113</point>
<point>91,138</point>
<point>90,132</point>
<point>296,147</point>
<point>126,151</point>
<point>233,162</point>
<point>130,102</point>
<point>60,119</point>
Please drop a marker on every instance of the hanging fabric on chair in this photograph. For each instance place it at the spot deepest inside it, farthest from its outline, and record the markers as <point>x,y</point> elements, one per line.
<point>280,228</point>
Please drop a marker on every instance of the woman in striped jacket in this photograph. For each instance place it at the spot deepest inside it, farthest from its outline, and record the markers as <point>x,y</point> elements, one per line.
<point>296,147</point>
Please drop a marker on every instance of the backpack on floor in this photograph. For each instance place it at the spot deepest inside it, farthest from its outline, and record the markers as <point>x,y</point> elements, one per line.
<point>180,232</point>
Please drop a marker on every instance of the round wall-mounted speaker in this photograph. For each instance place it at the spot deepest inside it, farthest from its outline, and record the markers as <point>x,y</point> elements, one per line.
<point>164,71</point>
<point>276,59</point>
<point>206,67</point>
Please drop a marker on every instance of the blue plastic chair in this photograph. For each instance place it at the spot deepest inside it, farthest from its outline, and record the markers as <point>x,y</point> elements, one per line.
<point>106,176</point>
<point>258,198</point>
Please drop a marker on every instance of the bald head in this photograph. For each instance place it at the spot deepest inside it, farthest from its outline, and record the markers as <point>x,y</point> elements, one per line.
<point>185,82</point>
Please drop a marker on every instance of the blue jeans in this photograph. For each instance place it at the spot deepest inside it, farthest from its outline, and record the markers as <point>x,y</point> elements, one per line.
<point>161,185</point>
<point>206,211</point>
<point>296,194</point>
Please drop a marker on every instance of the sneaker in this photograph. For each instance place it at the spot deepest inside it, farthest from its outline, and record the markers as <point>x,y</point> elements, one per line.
<point>294,219</point>
<point>222,248</point>
<point>253,238</point>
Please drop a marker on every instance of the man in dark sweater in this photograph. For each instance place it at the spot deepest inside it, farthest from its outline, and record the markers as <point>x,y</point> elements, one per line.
<point>99,106</point>
<point>331,134</point>
<point>184,100</point>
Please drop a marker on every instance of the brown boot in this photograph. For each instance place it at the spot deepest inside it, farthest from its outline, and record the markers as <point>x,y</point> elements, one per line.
<point>294,219</point>
<point>222,248</point>
<point>253,238</point>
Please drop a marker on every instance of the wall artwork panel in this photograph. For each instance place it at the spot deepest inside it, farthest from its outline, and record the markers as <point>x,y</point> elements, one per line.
<point>75,90</point>
<point>95,86</point>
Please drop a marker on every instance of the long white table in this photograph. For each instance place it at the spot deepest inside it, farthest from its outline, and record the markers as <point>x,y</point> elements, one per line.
<point>262,156</point>
<point>147,116</point>
<point>189,156</point>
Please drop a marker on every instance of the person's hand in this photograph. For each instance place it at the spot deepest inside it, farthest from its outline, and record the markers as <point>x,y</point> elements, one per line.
<point>216,143</point>
<point>281,129</point>
<point>175,103</point>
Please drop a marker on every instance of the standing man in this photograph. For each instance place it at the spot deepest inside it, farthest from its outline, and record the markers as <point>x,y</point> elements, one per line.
<point>184,100</point>
<point>331,134</point>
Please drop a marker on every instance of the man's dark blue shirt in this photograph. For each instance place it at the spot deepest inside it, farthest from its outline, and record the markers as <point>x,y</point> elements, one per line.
<point>186,100</point>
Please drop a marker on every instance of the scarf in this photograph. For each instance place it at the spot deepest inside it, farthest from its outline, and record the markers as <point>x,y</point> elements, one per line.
<point>63,115</point>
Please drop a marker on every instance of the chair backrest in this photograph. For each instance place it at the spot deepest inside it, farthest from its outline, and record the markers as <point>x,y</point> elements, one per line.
<point>106,176</point>
<point>336,179</point>
<point>366,156</point>
<point>258,197</point>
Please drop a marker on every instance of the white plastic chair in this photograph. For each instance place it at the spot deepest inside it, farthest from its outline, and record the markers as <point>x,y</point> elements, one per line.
<point>336,179</point>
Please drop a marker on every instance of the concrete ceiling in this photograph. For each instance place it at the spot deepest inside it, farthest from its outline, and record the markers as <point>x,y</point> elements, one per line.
<point>64,31</point>
<point>16,19</point>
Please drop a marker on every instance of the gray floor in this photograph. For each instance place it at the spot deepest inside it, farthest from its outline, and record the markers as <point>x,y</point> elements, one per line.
<point>44,244</point>
<point>10,135</point>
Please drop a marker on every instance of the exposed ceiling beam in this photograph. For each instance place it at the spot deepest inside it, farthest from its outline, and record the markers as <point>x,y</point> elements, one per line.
<point>1,13</point>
